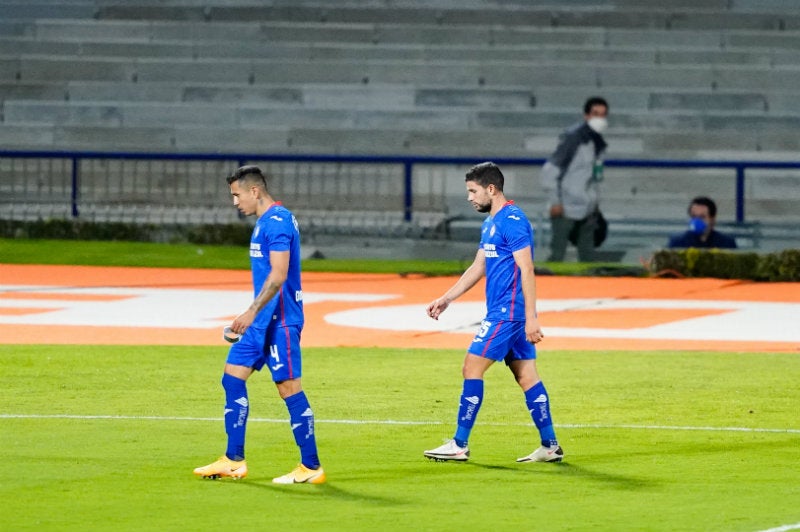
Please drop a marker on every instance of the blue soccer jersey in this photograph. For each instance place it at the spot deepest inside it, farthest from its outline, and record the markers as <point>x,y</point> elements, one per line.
<point>501,235</point>
<point>277,230</point>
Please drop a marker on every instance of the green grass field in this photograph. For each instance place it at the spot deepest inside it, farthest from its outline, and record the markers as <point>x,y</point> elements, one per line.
<point>92,253</point>
<point>106,437</point>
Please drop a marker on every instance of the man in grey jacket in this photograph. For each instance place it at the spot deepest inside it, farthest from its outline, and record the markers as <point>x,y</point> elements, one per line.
<point>570,179</point>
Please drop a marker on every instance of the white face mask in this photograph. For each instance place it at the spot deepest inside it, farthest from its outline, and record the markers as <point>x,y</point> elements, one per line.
<point>598,124</point>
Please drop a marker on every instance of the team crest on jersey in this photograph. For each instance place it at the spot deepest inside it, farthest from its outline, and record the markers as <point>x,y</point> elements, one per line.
<point>255,233</point>
<point>491,231</point>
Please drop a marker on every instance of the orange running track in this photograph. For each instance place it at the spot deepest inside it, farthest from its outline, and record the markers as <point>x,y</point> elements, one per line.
<point>113,305</point>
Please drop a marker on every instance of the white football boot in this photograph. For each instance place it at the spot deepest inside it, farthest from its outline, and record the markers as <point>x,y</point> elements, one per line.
<point>448,451</point>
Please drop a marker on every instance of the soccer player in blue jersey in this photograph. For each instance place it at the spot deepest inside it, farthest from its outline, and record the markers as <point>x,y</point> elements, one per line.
<point>511,327</point>
<point>270,333</point>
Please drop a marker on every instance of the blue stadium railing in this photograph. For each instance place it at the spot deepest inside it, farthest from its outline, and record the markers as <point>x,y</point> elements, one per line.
<point>407,161</point>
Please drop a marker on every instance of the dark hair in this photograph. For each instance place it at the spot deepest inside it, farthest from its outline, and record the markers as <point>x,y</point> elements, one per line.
<point>591,102</point>
<point>486,174</point>
<point>248,174</point>
<point>708,202</point>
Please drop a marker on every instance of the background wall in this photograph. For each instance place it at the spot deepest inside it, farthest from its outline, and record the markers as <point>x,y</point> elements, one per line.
<point>701,79</point>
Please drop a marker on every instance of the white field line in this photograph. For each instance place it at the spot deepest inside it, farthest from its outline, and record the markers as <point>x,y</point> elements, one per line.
<point>783,528</point>
<point>402,422</point>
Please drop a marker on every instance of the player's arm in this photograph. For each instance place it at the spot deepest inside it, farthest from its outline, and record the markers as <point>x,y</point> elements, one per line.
<point>524,260</point>
<point>468,279</point>
<point>279,264</point>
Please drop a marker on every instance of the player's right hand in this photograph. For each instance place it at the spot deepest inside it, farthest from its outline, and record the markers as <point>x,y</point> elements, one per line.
<point>437,307</point>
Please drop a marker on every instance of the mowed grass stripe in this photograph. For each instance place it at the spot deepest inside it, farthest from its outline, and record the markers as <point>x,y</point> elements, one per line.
<point>783,528</point>
<point>400,422</point>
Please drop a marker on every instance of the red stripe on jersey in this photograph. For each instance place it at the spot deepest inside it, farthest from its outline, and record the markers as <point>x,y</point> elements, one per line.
<point>514,291</point>
<point>283,310</point>
<point>489,341</point>
<point>286,330</point>
<point>289,352</point>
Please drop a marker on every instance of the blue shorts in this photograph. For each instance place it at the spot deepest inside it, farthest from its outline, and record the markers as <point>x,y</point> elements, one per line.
<point>503,340</point>
<point>278,347</point>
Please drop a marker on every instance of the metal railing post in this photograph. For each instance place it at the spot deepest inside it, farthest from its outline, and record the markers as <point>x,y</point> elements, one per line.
<point>740,194</point>
<point>75,193</point>
<point>408,199</point>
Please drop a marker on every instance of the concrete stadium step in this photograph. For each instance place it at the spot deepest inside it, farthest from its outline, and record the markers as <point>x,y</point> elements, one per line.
<point>148,114</point>
<point>315,222</point>
<point>125,91</point>
<point>470,73</point>
<point>83,137</point>
<point>314,138</point>
<point>475,74</point>
<point>111,113</point>
<point>320,96</point>
<point>427,37</point>
<point>355,52</point>
<point>392,96</point>
<point>734,142</point>
<point>16,28</point>
<point>773,40</point>
<point>736,5</point>
<point>478,144</point>
<point>36,9</point>
<point>676,5</point>
<point>555,14</point>
<point>644,53</point>
<point>781,6</point>
<point>399,34</point>
<point>28,136</point>
<point>33,91</point>
<point>27,45</point>
<point>702,102</point>
<point>146,31</point>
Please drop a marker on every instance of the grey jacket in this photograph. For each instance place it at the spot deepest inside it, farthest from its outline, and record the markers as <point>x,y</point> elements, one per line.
<point>568,175</point>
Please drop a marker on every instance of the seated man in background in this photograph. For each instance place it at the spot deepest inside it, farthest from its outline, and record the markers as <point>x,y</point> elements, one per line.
<point>701,233</point>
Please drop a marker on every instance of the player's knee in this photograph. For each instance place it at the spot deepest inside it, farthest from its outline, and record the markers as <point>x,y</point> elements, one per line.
<point>288,387</point>
<point>526,382</point>
<point>526,377</point>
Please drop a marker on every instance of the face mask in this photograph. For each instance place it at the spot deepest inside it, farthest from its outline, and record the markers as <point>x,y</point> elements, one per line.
<point>697,226</point>
<point>598,124</point>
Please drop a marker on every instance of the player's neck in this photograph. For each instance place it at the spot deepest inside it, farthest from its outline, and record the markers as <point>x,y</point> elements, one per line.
<point>264,205</point>
<point>498,202</point>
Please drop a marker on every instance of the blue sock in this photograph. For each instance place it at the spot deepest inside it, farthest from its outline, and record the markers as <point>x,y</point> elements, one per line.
<point>538,403</point>
<point>471,400</point>
<point>236,410</point>
<point>302,420</point>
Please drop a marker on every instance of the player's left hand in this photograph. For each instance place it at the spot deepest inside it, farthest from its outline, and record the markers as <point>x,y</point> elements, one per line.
<point>533,331</point>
